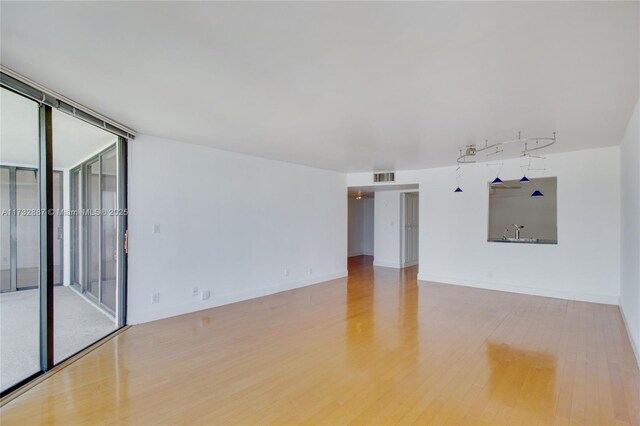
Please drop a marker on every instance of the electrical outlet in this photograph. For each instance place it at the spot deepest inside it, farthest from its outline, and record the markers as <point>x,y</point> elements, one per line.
<point>205,295</point>
<point>156,298</point>
<point>156,228</point>
<point>286,272</point>
<point>310,271</point>
<point>194,291</point>
<point>490,274</point>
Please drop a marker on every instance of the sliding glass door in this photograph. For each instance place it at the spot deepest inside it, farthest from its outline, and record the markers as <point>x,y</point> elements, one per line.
<point>76,228</point>
<point>5,230</point>
<point>101,255</point>
<point>20,262</point>
<point>90,301</point>
<point>62,227</point>
<point>92,198</point>
<point>58,228</point>
<point>108,230</point>
<point>20,348</point>
<point>27,230</point>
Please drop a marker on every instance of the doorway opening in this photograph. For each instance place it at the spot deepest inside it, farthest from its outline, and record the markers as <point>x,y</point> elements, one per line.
<point>360,227</point>
<point>383,225</point>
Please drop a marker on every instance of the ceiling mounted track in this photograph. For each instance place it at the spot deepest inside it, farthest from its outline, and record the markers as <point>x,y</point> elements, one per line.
<point>530,145</point>
<point>17,83</point>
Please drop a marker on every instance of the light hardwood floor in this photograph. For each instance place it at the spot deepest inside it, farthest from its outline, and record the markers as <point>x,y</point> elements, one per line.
<point>377,348</point>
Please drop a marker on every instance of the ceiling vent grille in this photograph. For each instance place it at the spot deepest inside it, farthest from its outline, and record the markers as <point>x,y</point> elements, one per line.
<point>384,177</point>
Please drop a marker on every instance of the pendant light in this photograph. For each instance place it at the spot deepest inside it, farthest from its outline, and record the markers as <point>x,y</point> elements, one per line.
<point>458,174</point>
<point>540,167</point>
<point>525,167</point>
<point>499,164</point>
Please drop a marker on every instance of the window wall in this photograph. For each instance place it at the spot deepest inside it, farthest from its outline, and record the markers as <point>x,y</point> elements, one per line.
<point>85,307</point>
<point>20,239</point>
<point>20,265</point>
<point>61,235</point>
<point>97,254</point>
<point>5,229</point>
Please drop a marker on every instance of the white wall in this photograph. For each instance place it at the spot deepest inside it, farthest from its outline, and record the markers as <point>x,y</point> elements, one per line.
<point>402,177</point>
<point>630,229</point>
<point>387,229</point>
<point>229,223</point>
<point>584,265</point>
<point>361,230</point>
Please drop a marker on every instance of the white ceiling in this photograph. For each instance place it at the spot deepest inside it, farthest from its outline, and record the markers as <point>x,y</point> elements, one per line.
<point>354,86</point>
<point>73,140</point>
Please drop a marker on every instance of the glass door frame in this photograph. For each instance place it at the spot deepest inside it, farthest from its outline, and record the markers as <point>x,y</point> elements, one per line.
<point>75,224</point>
<point>59,231</point>
<point>47,235</point>
<point>81,260</point>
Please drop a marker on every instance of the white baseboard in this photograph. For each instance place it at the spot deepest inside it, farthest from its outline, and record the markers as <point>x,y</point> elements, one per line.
<point>407,264</point>
<point>558,294</point>
<point>385,264</point>
<point>635,345</point>
<point>186,308</point>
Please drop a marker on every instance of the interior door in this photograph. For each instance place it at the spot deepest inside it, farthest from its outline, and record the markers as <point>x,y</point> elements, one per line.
<point>411,230</point>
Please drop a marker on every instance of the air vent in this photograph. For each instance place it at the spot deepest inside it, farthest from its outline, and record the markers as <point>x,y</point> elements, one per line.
<point>384,177</point>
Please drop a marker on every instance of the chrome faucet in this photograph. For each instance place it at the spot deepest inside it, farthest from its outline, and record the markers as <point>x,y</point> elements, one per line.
<point>517,227</point>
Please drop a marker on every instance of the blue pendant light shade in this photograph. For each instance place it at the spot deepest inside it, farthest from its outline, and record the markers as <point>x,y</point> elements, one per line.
<point>525,179</point>
<point>497,181</point>
<point>537,193</point>
<point>458,190</point>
